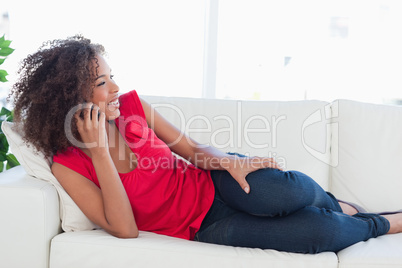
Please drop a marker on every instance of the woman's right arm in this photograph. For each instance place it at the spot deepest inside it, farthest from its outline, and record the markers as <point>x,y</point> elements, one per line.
<point>107,206</point>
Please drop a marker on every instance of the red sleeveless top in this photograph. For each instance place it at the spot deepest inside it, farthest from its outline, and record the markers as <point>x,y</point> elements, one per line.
<point>168,196</point>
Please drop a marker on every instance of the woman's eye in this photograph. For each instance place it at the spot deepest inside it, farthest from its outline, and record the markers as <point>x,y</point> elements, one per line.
<point>101,84</point>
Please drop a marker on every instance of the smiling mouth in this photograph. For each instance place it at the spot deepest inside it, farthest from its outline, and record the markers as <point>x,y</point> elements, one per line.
<point>113,104</point>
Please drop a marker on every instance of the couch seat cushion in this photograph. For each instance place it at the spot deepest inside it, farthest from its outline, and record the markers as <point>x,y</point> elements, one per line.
<point>380,252</point>
<point>98,249</point>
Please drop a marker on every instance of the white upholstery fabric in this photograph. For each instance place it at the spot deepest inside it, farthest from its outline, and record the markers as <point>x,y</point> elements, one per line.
<point>99,249</point>
<point>295,133</point>
<point>381,252</point>
<point>29,219</point>
<point>369,147</point>
<point>366,155</point>
<point>36,165</point>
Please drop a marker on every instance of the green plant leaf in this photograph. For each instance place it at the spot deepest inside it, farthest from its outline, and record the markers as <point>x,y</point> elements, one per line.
<point>10,118</point>
<point>3,143</point>
<point>12,160</point>
<point>3,75</point>
<point>3,156</point>
<point>1,61</point>
<point>2,39</point>
<point>1,166</point>
<point>5,44</point>
<point>5,111</point>
<point>6,51</point>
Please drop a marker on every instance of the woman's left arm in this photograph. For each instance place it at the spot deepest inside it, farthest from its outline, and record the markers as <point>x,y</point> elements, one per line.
<point>203,156</point>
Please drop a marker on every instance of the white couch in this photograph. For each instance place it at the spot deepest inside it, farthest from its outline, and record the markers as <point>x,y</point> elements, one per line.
<point>352,149</point>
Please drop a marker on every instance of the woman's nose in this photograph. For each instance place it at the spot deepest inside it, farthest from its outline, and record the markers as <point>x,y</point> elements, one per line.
<point>115,88</point>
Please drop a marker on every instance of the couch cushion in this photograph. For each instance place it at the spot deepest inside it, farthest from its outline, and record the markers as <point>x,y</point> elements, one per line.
<point>295,133</point>
<point>29,213</point>
<point>152,250</point>
<point>36,165</point>
<point>367,143</point>
<point>380,252</point>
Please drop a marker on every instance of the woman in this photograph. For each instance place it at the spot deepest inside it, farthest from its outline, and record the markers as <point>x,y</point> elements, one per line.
<point>118,167</point>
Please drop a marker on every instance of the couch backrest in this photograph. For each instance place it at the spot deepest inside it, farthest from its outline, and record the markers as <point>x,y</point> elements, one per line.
<point>295,133</point>
<point>367,146</point>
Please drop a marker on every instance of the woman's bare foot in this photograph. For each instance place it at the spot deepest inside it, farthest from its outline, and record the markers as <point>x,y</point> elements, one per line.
<point>395,222</point>
<point>347,209</point>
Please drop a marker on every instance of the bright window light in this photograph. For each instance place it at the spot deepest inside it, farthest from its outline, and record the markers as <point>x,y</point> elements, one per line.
<point>235,49</point>
<point>312,49</point>
<point>154,46</point>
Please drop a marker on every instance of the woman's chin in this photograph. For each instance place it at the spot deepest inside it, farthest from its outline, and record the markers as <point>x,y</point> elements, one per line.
<point>112,115</point>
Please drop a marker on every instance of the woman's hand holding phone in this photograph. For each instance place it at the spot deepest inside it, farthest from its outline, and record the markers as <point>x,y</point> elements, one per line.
<point>92,131</point>
<point>90,114</point>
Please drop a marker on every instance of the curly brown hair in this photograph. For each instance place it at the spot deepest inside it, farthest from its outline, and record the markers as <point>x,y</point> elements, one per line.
<point>59,76</point>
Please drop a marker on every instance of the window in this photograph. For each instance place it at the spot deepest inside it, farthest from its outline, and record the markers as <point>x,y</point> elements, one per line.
<point>236,49</point>
<point>154,46</point>
<point>312,49</point>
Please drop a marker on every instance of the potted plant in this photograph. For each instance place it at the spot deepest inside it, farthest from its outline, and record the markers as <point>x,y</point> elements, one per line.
<point>7,159</point>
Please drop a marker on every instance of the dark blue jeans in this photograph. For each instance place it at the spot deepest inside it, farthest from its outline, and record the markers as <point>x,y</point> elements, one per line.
<point>286,211</point>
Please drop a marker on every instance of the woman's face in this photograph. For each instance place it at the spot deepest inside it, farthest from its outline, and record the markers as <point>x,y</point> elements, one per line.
<point>105,93</point>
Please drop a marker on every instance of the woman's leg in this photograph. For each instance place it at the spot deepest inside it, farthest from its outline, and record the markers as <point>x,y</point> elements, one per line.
<point>273,192</point>
<point>286,211</point>
<point>308,230</point>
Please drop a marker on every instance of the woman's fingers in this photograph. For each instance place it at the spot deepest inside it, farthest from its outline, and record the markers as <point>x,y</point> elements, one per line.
<point>88,112</point>
<point>94,115</point>
<point>241,180</point>
<point>252,164</point>
<point>268,162</point>
<point>86,108</point>
<point>245,186</point>
<point>78,115</point>
<point>91,124</point>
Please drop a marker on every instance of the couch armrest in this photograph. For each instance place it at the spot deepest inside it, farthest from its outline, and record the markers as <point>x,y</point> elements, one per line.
<point>29,210</point>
